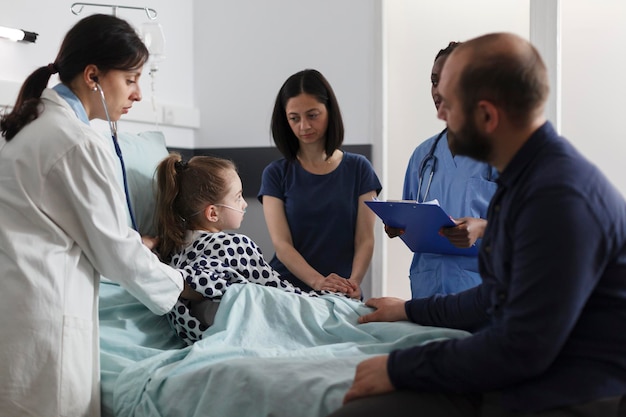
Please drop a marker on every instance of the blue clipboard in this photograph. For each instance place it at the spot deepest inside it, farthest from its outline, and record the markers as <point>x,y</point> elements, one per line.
<point>421,223</point>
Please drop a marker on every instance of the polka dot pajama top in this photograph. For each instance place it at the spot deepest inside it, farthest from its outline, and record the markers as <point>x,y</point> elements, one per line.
<point>213,262</point>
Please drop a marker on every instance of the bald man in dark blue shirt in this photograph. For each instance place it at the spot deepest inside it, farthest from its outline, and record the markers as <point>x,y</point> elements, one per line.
<point>549,319</point>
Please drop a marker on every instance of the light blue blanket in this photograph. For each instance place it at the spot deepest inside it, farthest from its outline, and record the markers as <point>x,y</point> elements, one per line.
<point>269,353</point>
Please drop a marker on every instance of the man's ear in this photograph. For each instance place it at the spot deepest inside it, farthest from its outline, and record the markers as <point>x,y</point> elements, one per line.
<point>487,116</point>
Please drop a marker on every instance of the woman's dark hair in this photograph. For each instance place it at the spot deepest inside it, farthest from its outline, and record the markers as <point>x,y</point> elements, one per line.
<point>105,41</point>
<point>308,81</point>
<point>184,190</point>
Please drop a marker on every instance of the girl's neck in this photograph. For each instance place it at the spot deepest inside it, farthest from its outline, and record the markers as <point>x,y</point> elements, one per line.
<point>210,228</point>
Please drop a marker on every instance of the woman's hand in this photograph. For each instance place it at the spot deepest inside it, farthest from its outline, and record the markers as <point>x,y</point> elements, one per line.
<point>334,283</point>
<point>356,289</point>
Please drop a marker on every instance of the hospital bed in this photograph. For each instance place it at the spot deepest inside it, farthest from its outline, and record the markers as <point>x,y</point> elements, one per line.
<point>268,353</point>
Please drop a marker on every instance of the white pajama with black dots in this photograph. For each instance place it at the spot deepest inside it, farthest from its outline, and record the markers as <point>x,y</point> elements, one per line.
<point>214,261</point>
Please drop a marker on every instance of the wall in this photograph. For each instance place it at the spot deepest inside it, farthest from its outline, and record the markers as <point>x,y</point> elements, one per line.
<point>173,82</point>
<point>246,49</point>
<point>593,85</point>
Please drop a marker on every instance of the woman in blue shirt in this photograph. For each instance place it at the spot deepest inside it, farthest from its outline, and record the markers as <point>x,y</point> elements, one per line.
<point>463,188</point>
<point>313,198</point>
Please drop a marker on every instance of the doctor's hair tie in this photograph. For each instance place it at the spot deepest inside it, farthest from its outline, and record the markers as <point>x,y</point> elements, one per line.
<point>52,67</point>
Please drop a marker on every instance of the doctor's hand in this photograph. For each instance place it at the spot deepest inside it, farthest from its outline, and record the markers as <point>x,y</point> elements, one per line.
<point>393,231</point>
<point>150,241</point>
<point>371,378</point>
<point>387,309</point>
<point>466,232</point>
<point>189,293</point>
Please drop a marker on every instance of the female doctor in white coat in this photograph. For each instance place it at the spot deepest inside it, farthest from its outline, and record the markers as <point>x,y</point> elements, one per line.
<point>63,223</point>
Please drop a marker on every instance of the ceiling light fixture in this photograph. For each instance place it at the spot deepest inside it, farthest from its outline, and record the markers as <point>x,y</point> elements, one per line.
<point>17,35</point>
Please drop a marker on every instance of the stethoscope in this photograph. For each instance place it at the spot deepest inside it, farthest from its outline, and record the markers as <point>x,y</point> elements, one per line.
<point>118,151</point>
<point>432,159</point>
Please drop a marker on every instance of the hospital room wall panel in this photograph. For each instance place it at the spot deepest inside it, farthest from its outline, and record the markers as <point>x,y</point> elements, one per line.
<point>171,87</point>
<point>245,50</point>
<point>593,85</point>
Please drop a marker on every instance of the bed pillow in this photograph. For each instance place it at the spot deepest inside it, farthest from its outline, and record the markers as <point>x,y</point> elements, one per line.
<point>142,153</point>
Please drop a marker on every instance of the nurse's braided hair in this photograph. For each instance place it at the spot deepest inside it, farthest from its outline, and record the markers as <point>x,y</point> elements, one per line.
<point>447,50</point>
<point>184,190</point>
<point>102,40</point>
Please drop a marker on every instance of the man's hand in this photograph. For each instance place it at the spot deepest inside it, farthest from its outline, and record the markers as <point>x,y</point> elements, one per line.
<point>387,309</point>
<point>371,378</point>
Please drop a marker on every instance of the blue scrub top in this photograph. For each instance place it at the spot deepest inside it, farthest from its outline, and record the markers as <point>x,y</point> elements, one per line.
<point>463,187</point>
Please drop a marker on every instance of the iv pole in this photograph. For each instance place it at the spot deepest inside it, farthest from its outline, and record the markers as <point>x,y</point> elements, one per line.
<point>77,8</point>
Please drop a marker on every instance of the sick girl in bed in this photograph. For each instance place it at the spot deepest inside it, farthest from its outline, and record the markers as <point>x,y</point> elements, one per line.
<point>196,201</point>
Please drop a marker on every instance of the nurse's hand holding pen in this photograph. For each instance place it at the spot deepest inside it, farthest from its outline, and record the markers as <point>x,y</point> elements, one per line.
<point>466,232</point>
<point>464,235</point>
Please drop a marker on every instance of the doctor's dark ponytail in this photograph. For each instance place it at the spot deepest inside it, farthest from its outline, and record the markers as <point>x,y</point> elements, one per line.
<point>26,108</point>
<point>105,41</point>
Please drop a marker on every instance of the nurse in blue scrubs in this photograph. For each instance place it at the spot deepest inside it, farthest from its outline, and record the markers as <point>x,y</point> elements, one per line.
<point>463,188</point>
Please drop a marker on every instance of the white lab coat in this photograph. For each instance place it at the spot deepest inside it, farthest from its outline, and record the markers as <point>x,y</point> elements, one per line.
<point>62,225</point>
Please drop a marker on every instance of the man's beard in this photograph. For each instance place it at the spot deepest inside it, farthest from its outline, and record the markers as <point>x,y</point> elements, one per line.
<point>468,141</point>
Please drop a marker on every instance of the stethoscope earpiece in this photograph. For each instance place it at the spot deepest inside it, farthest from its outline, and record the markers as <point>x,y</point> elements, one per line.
<point>97,86</point>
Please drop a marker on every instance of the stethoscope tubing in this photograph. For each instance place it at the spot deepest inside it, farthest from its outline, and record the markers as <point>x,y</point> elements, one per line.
<point>429,157</point>
<point>118,152</point>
